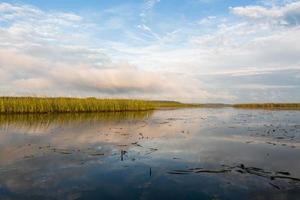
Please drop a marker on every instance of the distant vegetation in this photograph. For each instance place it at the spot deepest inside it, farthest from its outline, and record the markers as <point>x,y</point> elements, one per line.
<point>173,104</point>
<point>80,105</point>
<point>291,106</point>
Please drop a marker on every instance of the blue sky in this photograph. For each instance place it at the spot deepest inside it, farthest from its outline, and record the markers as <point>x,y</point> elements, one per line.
<point>166,7</point>
<point>192,51</point>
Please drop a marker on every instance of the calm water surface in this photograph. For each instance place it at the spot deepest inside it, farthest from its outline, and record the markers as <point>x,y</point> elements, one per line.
<point>169,154</point>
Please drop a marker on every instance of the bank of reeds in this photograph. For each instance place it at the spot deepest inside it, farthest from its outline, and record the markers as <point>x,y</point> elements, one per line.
<point>78,105</point>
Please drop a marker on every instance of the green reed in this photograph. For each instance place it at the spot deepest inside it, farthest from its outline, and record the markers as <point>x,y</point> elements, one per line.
<point>78,105</point>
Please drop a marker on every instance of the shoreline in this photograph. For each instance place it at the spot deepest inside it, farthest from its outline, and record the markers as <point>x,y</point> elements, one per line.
<point>56,105</point>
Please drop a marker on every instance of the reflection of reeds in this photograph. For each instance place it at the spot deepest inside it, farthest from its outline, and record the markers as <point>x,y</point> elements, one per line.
<point>45,120</point>
<point>288,106</point>
<point>79,105</point>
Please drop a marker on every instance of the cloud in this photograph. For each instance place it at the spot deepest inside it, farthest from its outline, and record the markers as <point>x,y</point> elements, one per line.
<point>49,59</point>
<point>288,14</point>
<point>117,79</point>
<point>30,75</point>
<point>148,5</point>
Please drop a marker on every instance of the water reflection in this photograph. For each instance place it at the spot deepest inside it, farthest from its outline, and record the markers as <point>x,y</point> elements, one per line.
<point>37,121</point>
<point>179,154</point>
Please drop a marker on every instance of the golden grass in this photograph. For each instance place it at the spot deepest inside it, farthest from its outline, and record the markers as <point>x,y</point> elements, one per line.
<point>89,105</point>
<point>79,105</point>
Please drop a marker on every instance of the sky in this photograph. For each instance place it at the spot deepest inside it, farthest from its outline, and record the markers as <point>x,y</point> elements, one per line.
<point>205,51</point>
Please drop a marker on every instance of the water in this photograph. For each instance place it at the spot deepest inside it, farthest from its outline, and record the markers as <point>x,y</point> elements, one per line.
<point>170,154</point>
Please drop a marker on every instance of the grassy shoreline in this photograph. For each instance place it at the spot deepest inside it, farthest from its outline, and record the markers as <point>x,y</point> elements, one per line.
<point>27,105</point>
<point>80,105</point>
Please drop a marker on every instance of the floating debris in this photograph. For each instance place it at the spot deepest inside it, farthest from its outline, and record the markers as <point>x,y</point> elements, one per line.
<point>136,144</point>
<point>242,169</point>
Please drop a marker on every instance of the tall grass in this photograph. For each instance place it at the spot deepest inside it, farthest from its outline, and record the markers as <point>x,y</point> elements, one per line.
<point>78,105</point>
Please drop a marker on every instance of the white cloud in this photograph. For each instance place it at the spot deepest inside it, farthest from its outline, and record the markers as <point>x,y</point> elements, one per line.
<point>29,75</point>
<point>49,59</point>
<point>147,8</point>
<point>287,14</point>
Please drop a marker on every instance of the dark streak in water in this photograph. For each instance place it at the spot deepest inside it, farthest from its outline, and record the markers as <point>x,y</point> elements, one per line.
<point>242,170</point>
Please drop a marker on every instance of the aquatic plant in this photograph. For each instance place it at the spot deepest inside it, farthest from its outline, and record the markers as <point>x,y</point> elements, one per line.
<point>77,105</point>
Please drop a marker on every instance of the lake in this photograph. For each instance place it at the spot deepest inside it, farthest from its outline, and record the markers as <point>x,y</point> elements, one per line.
<point>207,153</point>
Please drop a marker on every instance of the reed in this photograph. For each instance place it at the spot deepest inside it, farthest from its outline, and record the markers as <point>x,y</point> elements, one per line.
<point>78,105</point>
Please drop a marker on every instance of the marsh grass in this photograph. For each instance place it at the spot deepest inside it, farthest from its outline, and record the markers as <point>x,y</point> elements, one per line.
<point>79,105</point>
<point>22,105</point>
